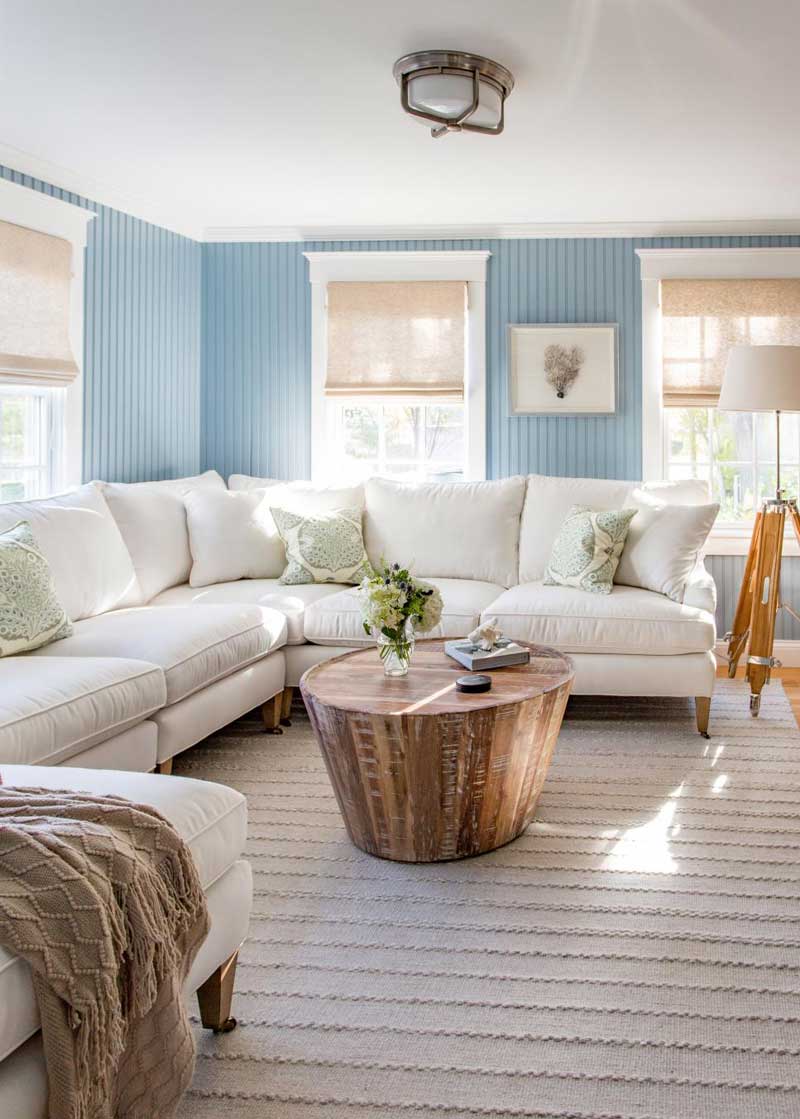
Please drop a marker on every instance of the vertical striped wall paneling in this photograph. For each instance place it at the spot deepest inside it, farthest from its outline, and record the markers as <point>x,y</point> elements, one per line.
<point>141,361</point>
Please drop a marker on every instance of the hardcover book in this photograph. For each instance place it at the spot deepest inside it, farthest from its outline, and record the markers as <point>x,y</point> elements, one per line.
<point>478,660</point>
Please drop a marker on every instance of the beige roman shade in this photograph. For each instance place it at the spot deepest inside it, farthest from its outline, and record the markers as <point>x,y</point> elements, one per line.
<point>35,277</point>
<point>702,319</point>
<point>403,339</point>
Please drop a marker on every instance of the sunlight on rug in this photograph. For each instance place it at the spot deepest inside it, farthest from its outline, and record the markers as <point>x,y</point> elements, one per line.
<point>634,954</point>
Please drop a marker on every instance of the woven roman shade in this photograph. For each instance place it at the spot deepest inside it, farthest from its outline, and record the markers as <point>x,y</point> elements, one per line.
<point>35,277</point>
<point>702,319</point>
<point>402,339</point>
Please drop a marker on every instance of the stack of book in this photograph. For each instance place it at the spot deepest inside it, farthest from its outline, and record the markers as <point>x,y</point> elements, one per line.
<point>476,659</point>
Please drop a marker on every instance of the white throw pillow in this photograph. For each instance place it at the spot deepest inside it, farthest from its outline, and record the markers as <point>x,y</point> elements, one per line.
<point>92,570</point>
<point>152,519</point>
<point>231,536</point>
<point>459,530</point>
<point>664,544</point>
<point>547,502</point>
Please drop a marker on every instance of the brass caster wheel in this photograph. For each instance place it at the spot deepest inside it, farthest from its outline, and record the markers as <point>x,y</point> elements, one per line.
<point>286,722</point>
<point>274,730</point>
<point>704,734</point>
<point>226,1027</point>
<point>755,705</point>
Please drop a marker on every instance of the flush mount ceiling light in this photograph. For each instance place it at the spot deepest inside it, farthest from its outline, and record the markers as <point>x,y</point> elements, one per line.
<point>454,91</point>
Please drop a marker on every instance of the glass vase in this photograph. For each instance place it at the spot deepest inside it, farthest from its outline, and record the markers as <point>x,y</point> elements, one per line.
<point>396,652</point>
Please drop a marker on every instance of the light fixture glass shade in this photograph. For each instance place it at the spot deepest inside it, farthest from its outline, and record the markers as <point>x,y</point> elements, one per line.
<point>439,89</point>
<point>761,379</point>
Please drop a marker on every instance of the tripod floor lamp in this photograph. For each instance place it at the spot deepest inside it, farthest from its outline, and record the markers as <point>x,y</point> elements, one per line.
<point>762,379</point>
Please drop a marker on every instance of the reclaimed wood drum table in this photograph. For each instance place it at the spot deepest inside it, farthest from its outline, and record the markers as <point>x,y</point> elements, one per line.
<point>423,772</point>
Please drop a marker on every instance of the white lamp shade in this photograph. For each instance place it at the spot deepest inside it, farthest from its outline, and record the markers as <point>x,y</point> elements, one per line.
<point>761,379</point>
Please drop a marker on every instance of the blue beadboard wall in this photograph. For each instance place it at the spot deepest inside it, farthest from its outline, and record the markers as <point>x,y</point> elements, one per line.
<point>141,401</point>
<point>256,360</point>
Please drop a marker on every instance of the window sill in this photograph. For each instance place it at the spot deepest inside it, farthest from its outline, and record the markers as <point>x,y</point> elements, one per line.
<point>734,540</point>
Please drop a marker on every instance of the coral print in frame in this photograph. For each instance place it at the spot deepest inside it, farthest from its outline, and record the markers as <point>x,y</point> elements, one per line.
<point>562,369</point>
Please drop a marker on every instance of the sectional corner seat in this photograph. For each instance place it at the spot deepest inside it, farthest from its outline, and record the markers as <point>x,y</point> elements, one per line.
<point>155,665</point>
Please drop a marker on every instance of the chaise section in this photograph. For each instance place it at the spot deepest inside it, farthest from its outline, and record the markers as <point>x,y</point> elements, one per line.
<point>627,621</point>
<point>194,648</point>
<point>292,601</point>
<point>210,817</point>
<point>337,620</point>
<point>54,708</point>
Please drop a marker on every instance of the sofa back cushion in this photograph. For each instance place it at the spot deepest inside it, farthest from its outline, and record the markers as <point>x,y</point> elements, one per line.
<point>547,502</point>
<point>458,530</point>
<point>75,532</point>
<point>232,536</point>
<point>152,519</point>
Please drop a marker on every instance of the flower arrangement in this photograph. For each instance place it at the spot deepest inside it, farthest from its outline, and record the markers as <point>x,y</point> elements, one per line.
<point>393,607</point>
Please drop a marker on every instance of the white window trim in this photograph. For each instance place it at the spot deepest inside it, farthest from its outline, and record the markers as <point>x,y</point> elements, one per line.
<point>325,267</point>
<point>702,264</point>
<point>33,209</point>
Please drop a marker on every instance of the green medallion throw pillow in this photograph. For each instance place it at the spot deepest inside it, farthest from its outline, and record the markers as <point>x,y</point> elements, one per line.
<point>587,549</point>
<point>30,613</point>
<point>324,548</point>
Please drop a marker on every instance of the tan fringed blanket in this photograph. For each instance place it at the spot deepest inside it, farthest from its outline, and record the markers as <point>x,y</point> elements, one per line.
<point>102,898</point>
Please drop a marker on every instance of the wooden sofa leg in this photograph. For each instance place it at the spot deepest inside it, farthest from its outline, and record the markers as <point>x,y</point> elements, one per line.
<point>271,714</point>
<point>214,998</point>
<point>164,767</point>
<point>702,710</point>
<point>286,707</point>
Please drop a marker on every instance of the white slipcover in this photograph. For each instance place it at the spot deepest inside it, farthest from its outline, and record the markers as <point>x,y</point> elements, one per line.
<point>211,818</point>
<point>292,601</point>
<point>53,708</point>
<point>152,519</point>
<point>193,647</point>
<point>81,542</point>
<point>337,620</point>
<point>465,530</point>
<point>629,620</point>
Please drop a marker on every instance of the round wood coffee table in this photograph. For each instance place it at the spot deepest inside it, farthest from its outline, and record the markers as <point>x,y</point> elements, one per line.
<point>423,772</point>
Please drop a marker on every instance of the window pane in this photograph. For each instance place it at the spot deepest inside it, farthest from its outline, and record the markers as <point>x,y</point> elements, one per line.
<point>444,434</point>
<point>687,434</point>
<point>404,432</point>
<point>413,441</point>
<point>733,436</point>
<point>26,456</point>
<point>765,433</point>
<point>732,487</point>
<point>360,432</point>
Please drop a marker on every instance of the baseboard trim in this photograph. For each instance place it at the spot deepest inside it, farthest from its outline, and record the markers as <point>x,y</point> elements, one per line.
<point>787,652</point>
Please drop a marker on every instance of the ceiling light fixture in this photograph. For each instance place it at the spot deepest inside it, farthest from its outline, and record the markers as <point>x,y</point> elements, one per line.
<point>454,91</point>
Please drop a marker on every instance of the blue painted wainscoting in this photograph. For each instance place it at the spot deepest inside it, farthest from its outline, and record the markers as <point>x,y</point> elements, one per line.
<point>141,393</point>
<point>727,572</point>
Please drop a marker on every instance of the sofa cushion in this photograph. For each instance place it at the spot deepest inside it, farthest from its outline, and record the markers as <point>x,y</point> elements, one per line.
<point>75,532</point>
<point>30,613</point>
<point>211,818</point>
<point>457,530</point>
<point>629,620</point>
<point>53,708</point>
<point>231,536</point>
<point>193,647</point>
<point>336,620</point>
<point>290,601</point>
<point>152,519</point>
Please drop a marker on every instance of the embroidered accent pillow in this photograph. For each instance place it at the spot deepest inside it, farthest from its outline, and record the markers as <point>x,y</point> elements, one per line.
<point>587,549</point>
<point>323,548</point>
<point>30,613</point>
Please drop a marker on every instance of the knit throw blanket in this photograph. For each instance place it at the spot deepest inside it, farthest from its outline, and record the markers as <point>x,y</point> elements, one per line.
<point>102,898</point>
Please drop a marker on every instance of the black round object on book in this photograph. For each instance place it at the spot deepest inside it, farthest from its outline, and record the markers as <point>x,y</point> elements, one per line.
<point>474,683</point>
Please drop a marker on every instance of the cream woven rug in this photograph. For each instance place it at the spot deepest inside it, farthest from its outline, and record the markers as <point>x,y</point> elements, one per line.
<point>635,954</point>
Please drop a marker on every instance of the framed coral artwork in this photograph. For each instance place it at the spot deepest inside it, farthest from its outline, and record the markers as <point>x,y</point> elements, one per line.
<point>562,369</point>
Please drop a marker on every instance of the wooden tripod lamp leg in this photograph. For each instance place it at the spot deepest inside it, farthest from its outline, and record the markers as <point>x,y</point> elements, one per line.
<point>740,631</point>
<point>215,996</point>
<point>766,590</point>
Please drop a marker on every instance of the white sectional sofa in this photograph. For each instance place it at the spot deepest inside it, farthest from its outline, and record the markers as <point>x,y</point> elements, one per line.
<point>154,664</point>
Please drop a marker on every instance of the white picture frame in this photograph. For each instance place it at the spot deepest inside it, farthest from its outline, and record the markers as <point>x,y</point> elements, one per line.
<point>589,350</point>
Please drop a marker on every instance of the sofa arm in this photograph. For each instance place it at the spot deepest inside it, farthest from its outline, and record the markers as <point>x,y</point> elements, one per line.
<point>701,590</point>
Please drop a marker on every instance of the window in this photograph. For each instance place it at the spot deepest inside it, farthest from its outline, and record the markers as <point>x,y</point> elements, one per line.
<point>733,451</point>
<point>398,365</point>
<point>696,304</point>
<point>41,328</point>
<point>31,444</point>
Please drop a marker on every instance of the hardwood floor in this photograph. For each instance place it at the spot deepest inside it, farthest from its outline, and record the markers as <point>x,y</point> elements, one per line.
<point>789,677</point>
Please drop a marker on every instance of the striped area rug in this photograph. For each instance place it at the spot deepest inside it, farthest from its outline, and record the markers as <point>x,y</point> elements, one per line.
<point>635,955</point>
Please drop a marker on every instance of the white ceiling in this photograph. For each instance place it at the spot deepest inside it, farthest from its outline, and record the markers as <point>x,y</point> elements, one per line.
<point>248,113</point>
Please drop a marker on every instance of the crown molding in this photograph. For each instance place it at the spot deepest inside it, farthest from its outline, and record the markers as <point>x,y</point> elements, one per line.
<point>99,192</point>
<point>267,233</point>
